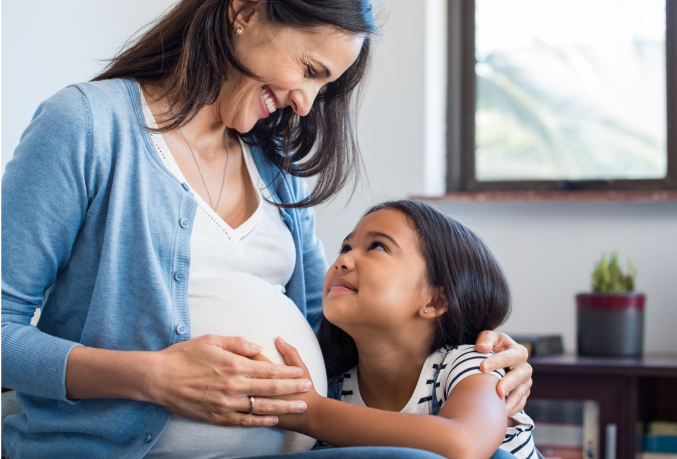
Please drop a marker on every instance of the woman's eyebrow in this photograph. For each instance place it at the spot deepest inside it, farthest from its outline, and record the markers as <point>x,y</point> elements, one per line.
<point>327,72</point>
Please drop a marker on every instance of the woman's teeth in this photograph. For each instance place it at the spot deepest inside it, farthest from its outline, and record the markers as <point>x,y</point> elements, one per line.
<point>269,100</point>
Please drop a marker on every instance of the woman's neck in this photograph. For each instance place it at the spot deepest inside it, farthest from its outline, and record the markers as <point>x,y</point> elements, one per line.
<point>388,371</point>
<point>206,128</point>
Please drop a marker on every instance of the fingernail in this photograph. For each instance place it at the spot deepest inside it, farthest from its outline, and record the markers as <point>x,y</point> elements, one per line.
<point>299,374</point>
<point>256,347</point>
<point>482,344</point>
<point>308,385</point>
<point>282,339</point>
<point>507,409</point>
<point>301,407</point>
<point>274,421</point>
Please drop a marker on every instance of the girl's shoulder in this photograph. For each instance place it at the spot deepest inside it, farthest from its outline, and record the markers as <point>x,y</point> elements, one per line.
<point>449,354</point>
<point>457,363</point>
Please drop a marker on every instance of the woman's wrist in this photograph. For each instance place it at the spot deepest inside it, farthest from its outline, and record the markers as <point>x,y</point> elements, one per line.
<point>93,373</point>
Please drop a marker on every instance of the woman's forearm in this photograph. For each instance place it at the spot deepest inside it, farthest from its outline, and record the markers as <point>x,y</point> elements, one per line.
<point>342,424</point>
<point>102,373</point>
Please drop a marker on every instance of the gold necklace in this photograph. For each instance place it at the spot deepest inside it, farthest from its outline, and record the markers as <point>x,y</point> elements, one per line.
<point>223,184</point>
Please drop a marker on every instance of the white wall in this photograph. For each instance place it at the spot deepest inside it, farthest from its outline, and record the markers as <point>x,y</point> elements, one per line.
<point>48,44</point>
<point>547,249</point>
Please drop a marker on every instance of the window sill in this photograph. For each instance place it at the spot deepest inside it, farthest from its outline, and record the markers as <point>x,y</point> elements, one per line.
<point>557,196</point>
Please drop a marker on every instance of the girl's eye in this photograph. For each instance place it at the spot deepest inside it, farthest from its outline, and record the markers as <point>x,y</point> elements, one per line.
<point>311,74</point>
<point>376,245</point>
<point>344,249</point>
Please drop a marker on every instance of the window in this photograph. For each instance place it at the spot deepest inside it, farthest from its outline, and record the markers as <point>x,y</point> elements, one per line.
<point>562,95</point>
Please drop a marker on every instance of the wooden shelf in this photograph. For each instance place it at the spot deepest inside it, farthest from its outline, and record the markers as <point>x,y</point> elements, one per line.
<point>561,196</point>
<point>650,365</point>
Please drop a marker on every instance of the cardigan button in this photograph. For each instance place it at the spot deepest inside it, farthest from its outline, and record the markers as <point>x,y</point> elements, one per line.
<point>181,329</point>
<point>179,276</point>
<point>183,223</point>
<point>185,186</point>
<point>148,438</point>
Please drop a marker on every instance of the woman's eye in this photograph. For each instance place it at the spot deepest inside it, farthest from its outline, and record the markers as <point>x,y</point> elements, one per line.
<point>311,74</point>
<point>344,249</point>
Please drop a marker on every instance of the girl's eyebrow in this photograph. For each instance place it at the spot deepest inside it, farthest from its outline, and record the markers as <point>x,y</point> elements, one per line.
<point>373,234</point>
<point>383,235</point>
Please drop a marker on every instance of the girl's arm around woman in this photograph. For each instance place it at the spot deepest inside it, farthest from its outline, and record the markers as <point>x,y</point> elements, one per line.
<point>471,424</point>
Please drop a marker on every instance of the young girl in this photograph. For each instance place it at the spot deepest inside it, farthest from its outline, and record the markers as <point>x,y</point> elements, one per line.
<point>403,305</point>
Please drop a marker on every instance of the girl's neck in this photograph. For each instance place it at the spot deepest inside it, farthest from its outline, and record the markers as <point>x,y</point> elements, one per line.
<point>388,372</point>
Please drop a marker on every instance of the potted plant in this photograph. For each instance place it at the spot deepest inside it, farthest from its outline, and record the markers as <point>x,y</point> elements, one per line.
<point>610,320</point>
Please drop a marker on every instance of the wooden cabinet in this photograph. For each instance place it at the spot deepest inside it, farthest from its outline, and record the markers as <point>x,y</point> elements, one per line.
<point>628,391</point>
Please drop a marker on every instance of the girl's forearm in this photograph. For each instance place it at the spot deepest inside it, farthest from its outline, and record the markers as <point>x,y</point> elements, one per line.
<point>103,373</point>
<point>342,424</point>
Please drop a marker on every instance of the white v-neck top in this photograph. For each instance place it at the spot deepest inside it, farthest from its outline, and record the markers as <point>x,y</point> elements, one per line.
<point>236,288</point>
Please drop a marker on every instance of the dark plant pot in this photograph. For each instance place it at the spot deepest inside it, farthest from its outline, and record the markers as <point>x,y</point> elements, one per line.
<point>610,325</point>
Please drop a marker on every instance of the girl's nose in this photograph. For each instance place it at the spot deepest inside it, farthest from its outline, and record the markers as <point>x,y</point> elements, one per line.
<point>344,263</point>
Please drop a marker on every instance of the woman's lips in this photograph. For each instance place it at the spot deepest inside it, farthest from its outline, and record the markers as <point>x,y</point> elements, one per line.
<point>341,285</point>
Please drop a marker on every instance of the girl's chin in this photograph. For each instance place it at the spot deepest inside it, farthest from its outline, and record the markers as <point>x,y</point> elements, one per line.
<point>334,314</point>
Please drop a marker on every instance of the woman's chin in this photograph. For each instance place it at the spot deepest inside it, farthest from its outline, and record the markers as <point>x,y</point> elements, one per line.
<point>246,126</point>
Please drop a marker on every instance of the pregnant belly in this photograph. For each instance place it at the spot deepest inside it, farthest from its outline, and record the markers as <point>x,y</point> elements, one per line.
<point>259,312</point>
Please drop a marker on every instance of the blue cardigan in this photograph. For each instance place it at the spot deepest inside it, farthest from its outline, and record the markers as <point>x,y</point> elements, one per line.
<point>97,232</point>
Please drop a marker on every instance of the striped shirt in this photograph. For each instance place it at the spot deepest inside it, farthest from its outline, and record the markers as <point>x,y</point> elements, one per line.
<point>444,369</point>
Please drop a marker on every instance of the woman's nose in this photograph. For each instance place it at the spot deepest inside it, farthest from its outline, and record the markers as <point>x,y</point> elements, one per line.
<point>301,100</point>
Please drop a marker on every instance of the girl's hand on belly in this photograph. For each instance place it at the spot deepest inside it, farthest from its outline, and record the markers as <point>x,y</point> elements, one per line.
<point>309,399</point>
<point>211,378</point>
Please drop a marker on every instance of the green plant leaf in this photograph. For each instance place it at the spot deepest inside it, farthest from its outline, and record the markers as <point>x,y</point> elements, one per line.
<point>608,277</point>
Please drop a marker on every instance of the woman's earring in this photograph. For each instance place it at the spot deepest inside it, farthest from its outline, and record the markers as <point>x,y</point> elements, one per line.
<point>425,311</point>
<point>238,31</point>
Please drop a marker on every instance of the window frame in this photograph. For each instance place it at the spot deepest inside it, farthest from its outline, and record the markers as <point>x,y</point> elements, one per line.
<point>461,93</point>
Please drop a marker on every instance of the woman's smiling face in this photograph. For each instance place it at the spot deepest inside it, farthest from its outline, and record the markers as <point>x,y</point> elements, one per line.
<point>294,64</point>
<point>378,281</point>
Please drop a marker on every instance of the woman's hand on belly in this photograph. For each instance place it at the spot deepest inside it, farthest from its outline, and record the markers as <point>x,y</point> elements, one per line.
<point>211,378</point>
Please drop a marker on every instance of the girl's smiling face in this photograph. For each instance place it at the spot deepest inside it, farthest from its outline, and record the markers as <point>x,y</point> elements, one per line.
<point>378,282</point>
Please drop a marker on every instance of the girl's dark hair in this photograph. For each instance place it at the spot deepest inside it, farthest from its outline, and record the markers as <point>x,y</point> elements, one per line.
<point>190,52</point>
<point>476,290</point>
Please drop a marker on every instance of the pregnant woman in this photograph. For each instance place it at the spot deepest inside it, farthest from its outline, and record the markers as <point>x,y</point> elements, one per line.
<point>159,218</point>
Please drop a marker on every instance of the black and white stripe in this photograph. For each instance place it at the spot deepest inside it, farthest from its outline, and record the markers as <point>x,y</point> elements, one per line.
<point>465,361</point>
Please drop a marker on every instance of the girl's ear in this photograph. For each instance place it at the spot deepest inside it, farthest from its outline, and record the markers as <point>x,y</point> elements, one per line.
<point>436,306</point>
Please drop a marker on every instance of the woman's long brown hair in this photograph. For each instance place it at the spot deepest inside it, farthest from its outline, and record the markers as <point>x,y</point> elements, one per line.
<point>190,51</point>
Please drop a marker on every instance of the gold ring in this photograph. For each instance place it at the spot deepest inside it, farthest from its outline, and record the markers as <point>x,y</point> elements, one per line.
<point>251,409</point>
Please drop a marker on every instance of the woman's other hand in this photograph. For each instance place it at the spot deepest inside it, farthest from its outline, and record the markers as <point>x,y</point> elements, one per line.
<point>513,357</point>
<point>211,378</point>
